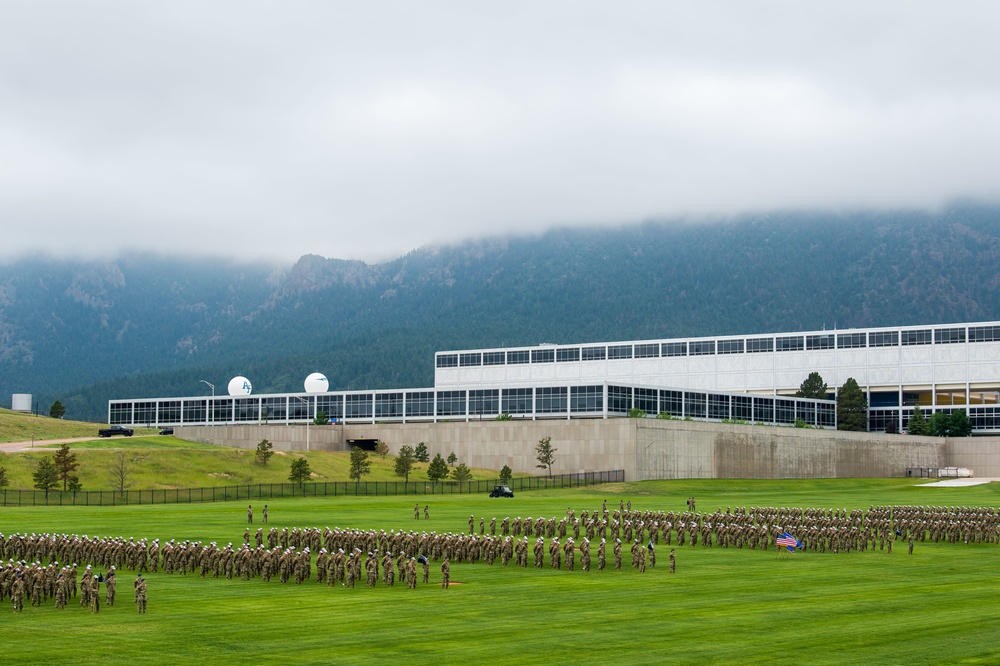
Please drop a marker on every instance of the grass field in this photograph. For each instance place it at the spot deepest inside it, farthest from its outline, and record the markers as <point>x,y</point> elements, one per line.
<point>168,462</point>
<point>18,427</point>
<point>722,606</point>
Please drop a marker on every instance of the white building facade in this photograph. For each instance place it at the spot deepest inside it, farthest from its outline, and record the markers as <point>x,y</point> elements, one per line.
<point>945,367</point>
<point>748,378</point>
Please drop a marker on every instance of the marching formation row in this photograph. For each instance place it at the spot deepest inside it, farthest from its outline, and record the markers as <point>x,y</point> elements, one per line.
<point>338,554</point>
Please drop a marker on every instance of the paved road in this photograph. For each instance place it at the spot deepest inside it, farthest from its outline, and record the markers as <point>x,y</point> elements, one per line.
<point>12,447</point>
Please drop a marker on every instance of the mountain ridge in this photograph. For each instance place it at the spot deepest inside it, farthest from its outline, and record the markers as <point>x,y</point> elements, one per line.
<point>144,325</point>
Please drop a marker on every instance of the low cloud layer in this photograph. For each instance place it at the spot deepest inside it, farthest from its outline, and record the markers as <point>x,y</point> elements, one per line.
<point>364,130</point>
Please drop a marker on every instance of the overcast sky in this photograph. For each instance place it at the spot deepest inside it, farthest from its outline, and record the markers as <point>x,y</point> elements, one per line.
<point>367,129</point>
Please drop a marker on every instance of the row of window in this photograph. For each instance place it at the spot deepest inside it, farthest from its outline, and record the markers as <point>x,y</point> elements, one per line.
<point>580,400</point>
<point>895,420</point>
<point>821,341</point>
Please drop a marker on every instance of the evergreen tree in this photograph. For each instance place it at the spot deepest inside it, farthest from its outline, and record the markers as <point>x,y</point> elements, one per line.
<point>421,453</point>
<point>65,463</point>
<point>452,458</point>
<point>812,387</point>
<point>300,472</point>
<point>461,473</point>
<point>57,411</point>
<point>937,424</point>
<point>505,473</point>
<point>4,481</point>
<point>264,452</point>
<point>405,461</point>
<point>321,418</point>
<point>382,449</point>
<point>917,425</point>
<point>360,465</point>
<point>438,469</point>
<point>959,424</point>
<point>74,485</point>
<point>545,454</point>
<point>852,407</point>
<point>45,475</point>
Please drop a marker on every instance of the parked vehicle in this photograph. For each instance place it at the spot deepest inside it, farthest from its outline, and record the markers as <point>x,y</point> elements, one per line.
<point>501,491</point>
<point>115,430</point>
<point>167,431</point>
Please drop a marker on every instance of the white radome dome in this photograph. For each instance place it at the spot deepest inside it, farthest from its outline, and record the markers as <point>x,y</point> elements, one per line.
<point>240,386</point>
<point>317,383</point>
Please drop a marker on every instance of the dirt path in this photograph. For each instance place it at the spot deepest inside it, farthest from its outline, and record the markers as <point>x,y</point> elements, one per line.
<point>13,447</point>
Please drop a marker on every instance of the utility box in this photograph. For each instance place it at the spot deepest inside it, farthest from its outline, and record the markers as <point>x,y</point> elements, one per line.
<point>21,402</point>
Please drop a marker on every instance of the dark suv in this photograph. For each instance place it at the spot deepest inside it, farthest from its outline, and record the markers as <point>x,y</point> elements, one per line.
<point>501,491</point>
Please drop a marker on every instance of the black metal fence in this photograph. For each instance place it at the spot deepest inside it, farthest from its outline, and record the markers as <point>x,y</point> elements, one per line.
<point>261,491</point>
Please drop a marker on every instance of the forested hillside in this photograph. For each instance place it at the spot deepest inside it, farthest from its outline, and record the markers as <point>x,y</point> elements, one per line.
<point>153,326</point>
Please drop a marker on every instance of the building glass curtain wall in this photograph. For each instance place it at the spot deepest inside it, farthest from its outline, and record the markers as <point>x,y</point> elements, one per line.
<point>739,378</point>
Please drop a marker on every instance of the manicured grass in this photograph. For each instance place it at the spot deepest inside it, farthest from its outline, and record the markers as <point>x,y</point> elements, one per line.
<point>722,606</point>
<point>18,427</point>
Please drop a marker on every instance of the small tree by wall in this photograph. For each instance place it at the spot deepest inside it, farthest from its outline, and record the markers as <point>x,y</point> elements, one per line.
<point>360,465</point>
<point>264,452</point>
<point>404,462</point>
<point>461,473</point>
<point>545,454</point>
<point>300,471</point>
<point>438,469</point>
<point>421,453</point>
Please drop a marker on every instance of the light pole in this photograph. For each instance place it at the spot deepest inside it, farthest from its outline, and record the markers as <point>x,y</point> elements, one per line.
<point>306,403</point>
<point>211,404</point>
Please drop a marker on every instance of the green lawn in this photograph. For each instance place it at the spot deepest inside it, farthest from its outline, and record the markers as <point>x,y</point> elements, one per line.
<point>722,606</point>
<point>168,462</point>
<point>18,427</point>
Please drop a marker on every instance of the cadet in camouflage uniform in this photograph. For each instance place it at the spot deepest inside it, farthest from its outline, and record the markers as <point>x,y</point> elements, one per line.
<point>109,587</point>
<point>140,594</point>
<point>411,573</point>
<point>95,595</point>
<point>250,514</point>
<point>445,573</point>
<point>673,561</point>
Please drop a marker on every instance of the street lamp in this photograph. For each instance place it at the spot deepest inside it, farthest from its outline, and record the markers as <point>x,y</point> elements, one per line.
<point>211,405</point>
<point>306,403</point>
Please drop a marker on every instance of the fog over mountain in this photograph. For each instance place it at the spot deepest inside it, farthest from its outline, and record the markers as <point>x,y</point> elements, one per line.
<point>151,325</point>
<point>362,130</point>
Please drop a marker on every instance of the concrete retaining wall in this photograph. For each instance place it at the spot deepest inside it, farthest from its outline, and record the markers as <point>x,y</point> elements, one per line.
<point>692,449</point>
<point>980,454</point>
<point>284,438</point>
<point>644,448</point>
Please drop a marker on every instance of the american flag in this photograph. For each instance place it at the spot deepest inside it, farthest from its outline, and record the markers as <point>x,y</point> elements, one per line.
<point>788,541</point>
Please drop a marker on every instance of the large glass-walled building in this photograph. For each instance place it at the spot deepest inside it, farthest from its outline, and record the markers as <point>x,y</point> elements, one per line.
<point>749,378</point>
<point>463,404</point>
<point>940,368</point>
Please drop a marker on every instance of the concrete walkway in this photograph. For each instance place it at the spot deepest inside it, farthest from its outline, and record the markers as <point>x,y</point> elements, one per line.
<point>957,483</point>
<point>13,447</point>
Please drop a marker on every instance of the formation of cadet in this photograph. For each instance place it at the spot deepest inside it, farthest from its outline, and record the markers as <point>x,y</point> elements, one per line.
<point>288,554</point>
